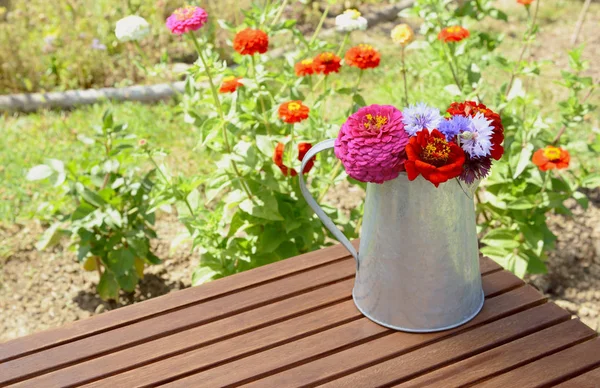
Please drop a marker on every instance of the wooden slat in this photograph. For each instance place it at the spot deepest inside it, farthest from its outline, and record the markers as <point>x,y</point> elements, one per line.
<point>453,349</point>
<point>202,336</point>
<point>161,305</point>
<point>487,265</point>
<point>499,282</point>
<point>552,369</point>
<point>162,325</point>
<point>376,364</point>
<point>319,346</point>
<point>590,379</point>
<point>505,357</point>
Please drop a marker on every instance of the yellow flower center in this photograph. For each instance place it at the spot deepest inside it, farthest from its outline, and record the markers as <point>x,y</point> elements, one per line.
<point>228,78</point>
<point>375,122</point>
<point>353,13</point>
<point>185,12</point>
<point>294,106</point>
<point>365,46</point>
<point>327,57</point>
<point>552,153</point>
<point>307,62</point>
<point>437,151</point>
<point>454,29</point>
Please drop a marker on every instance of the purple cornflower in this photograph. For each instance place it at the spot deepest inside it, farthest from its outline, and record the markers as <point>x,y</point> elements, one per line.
<point>454,126</point>
<point>96,45</point>
<point>417,117</point>
<point>476,141</point>
<point>475,168</point>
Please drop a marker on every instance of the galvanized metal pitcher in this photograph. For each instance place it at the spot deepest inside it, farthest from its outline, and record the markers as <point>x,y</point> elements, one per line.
<point>418,259</point>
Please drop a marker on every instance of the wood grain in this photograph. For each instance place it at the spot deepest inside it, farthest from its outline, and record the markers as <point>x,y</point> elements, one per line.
<point>455,348</point>
<point>162,325</point>
<point>506,357</point>
<point>589,379</point>
<point>553,369</point>
<point>167,303</point>
<point>331,349</point>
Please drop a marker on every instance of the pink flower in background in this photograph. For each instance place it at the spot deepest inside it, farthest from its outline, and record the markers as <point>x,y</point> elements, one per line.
<point>189,18</point>
<point>371,144</point>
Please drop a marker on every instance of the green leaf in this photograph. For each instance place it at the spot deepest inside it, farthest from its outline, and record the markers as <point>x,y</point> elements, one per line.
<point>499,255</point>
<point>516,90</point>
<point>521,204</point>
<point>265,207</point>
<point>82,211</point>
<point>152,258</point>
<point>120,261</point>
<point>51,237</point>
<point>203,275</point>
<point>92,197</point>
<point>128,280</point>
<point>139,246</point>
<point>270,239</point>
<point>524,158</point>
<point>39,172</point>
<point>108,287</point>
<point>359,100</point>
<point>582,199</point>
<point>502,238</point>
<point>265,145</point>
<point>591,181</point>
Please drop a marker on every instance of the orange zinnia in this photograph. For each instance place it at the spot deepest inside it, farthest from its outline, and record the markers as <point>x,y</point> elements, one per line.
<point>453,34</point>
<point>302,150</point>
<point>363,56</point>
<point>525,2</point>
<point>250,42</point>
<point>304,68</point>
<point>326,63</point>
<point>293,112</point>
<point>551,158</point>
<point>230,84</point>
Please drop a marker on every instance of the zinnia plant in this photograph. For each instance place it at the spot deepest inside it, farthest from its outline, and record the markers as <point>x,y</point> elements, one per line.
<point>363,56</point>
<point>187,19</point>
<point>453,34</point>
<point>551,158</point>
<point>250,41</point>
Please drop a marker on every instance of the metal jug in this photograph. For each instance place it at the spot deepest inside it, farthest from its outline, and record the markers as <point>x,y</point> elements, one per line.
<point>418,258</point>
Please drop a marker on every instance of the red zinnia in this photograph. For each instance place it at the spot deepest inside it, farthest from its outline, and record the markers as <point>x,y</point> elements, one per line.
<point>551,158</point>
<point>432,156</point>
<point>363,56</point>
<point>525,2</point>
<point>304,68</point>
<point>326,63</point>
<point>302,150</point>
<point>293,112</point>
<point>453,34</point>
<point>250,42</point>
<point>230,84</point>
<point>470,109</point>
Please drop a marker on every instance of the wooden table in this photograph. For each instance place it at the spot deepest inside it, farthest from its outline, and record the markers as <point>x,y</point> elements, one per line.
<point>293,323</point>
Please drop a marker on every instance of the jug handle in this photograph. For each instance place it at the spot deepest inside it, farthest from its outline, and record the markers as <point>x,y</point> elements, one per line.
<point>322,146</point>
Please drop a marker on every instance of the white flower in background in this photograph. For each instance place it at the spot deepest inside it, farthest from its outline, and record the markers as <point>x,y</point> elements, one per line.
<point>350,20</point>
<point>132,28</point>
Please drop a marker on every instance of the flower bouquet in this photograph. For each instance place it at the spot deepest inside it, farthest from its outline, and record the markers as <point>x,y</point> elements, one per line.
<point>378,142</point>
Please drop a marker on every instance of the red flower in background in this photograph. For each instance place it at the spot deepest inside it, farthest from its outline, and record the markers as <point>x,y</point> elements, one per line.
<point>304,68</point>
<point>293,112</point>
<point>250,42</point>
<point>302,150</point>
<point>363,56</point>
<point>326,63</point>
<point>230,84</point>
<point>453,34</point>
<point>470,109</point>
<point>431,155</point>
<point>525,2</point>
<point>551,158</point>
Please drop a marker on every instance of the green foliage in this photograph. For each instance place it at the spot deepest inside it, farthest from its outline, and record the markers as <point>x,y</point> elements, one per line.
<point>112,223</point>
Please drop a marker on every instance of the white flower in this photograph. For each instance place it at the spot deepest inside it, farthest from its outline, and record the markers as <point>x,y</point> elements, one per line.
<point>132,28</point>
<point>477,140</point>
<point>350,20</point>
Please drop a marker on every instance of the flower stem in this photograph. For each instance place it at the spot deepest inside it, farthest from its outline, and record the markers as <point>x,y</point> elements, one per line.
<point>291,149</point>
<point>332,176</point>
<point>404,77</point>
<point>323,17</point>
<point>526,41</point>
<point>346,37</point>
<point>325,98</point>
<point>221,114</point>
<point>142,53</point>
<point>279,12</point>
<point>260,99</point>
<point>449,55</point>
<point>168,182</point>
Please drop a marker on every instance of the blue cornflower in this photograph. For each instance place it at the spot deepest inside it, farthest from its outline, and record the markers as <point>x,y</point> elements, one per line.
<point>477,140</point>
<point>97,45</point>
<point>417,117</point>
<point>454,126</point>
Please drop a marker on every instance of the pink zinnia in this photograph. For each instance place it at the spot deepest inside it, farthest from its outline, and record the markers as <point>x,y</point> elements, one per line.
<point>189,18</point>
<point>371,144</point>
